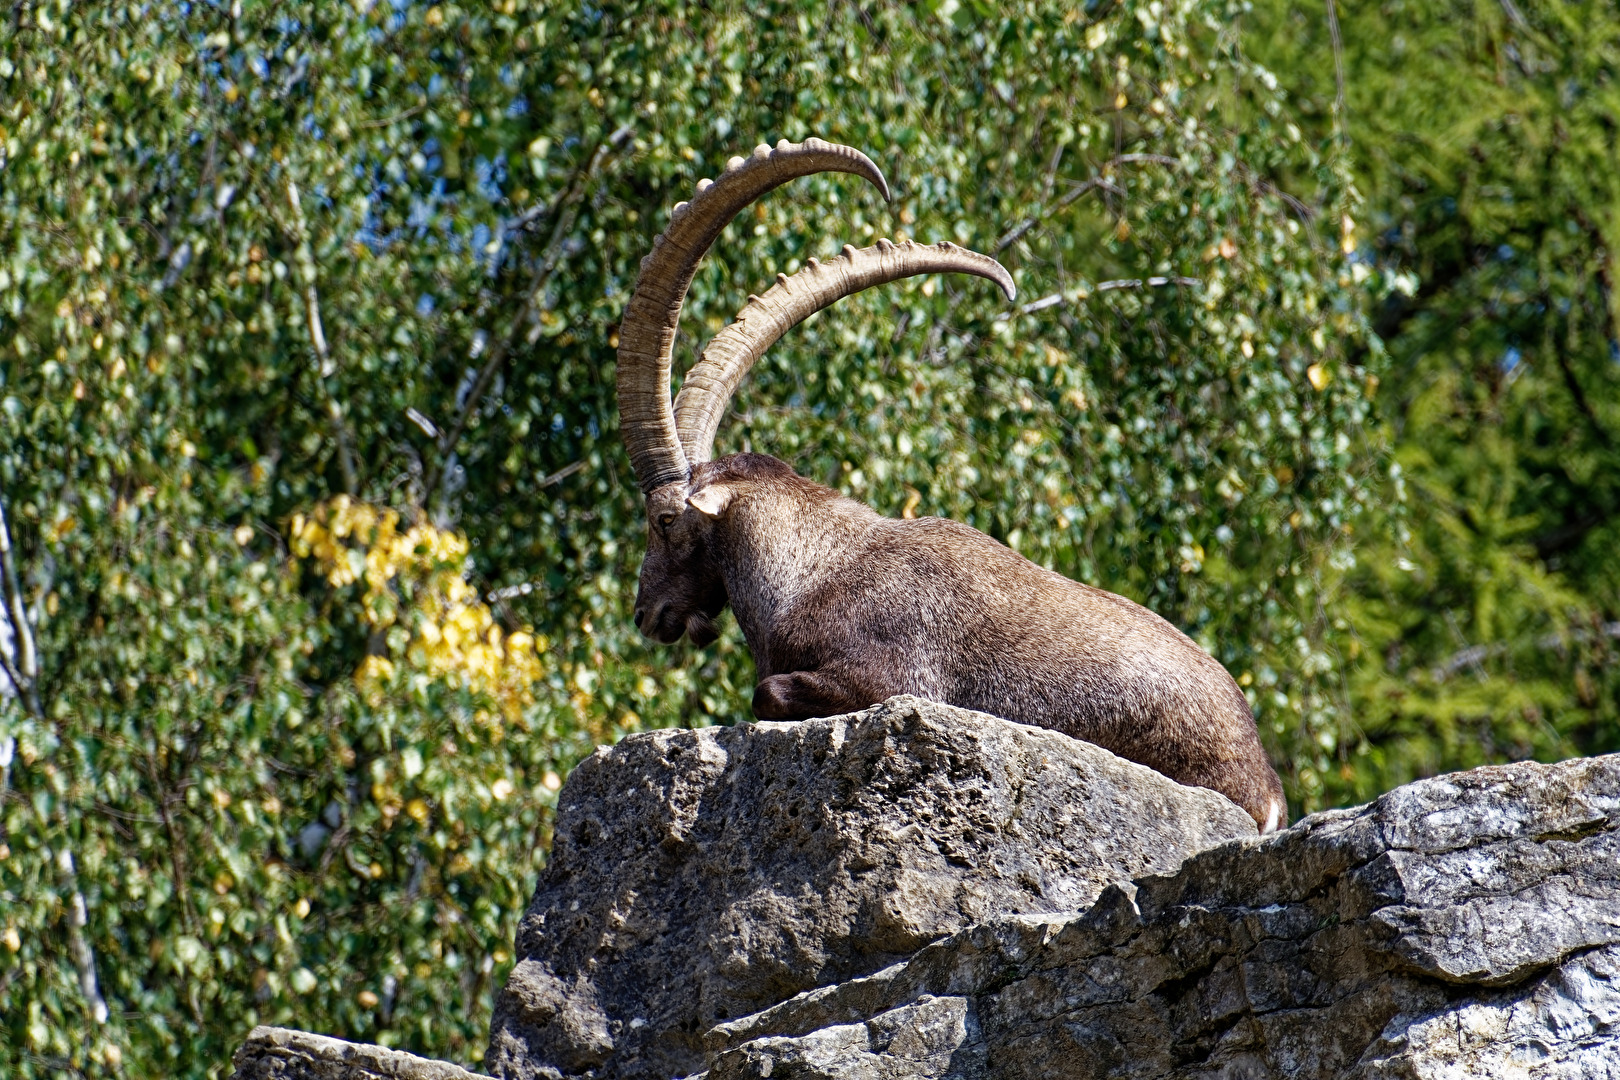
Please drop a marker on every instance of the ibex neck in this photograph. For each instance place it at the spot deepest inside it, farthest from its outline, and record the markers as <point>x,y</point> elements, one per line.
<point>782,545</point>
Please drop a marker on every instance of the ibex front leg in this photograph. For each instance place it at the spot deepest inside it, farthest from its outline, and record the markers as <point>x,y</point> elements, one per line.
<point>802,695</point>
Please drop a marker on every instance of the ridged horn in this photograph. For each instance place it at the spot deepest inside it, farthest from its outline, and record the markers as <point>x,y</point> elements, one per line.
<point>647,334</point>
<point>706,391</point>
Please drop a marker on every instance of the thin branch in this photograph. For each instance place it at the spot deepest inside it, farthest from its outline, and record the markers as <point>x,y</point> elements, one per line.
<point>84,958</point>
<point>563,473</point>
<point>567,203</point>
<point>1017,232</point>
<point>1338,63</point>
<point>1473,655</point>
<point>386,120</point>
<point>1106,286</point>
<point>8,750</point>
<point>1572,383</point>
<point>326,367</point>
<point>24,672</point>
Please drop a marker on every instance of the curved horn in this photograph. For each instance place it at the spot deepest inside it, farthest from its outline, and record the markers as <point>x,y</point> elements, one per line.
<point>647,334</point>
<point>707,388</point>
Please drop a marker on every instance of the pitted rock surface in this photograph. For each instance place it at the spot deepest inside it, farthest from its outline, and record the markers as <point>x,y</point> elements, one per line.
<point>1462,927</point>
<point>698,876</point>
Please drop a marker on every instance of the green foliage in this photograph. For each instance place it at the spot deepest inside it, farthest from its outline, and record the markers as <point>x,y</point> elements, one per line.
<point>1485,137</point>
<point>254,257</point>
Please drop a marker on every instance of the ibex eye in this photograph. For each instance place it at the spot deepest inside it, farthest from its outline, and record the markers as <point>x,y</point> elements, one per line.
<point>665,520</point>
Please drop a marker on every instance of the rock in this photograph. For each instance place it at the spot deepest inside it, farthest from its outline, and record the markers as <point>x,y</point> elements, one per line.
<point>699,876</point>
<point>1465,926</point>
<point>273,1053</point>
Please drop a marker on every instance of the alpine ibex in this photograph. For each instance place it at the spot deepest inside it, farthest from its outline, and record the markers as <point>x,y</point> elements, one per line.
<point>842,607</point>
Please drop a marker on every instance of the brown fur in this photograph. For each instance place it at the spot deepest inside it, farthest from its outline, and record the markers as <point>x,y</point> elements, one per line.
<point>843,608</point>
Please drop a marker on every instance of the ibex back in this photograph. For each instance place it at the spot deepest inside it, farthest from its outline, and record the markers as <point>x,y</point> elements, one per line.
<point>842,607</point>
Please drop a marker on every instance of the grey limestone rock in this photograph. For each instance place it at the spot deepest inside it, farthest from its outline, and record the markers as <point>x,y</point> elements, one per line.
<point>272,1053</point>
<point>1465,926</point>
<point>700,876</point>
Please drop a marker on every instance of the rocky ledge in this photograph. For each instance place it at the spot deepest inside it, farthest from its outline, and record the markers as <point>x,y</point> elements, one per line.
<point>1464,926</point>
<point>273,1053</point>
<point>919,892</point>
<point>698,876</point>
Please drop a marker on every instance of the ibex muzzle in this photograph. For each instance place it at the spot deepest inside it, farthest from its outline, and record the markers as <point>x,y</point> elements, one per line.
<point>842,607</point>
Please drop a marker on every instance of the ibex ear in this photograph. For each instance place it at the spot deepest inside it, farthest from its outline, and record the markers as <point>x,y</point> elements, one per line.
<point>710,501</point>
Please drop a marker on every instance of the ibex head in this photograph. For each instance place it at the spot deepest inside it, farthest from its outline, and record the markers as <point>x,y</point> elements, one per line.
<point>671,444</point>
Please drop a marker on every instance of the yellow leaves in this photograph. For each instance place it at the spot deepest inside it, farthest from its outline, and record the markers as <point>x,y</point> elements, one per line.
<point>1319,375</point>
<point>375,669</point>
<point>412,579</point>
<point>61,527</point>
<point>301,909</point>
<point>12,939</point>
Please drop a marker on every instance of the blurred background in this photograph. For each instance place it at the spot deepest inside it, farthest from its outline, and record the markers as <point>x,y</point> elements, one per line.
<point>319,543</point>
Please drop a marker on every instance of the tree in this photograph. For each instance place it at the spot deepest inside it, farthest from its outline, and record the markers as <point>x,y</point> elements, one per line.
<point>1484,137</point>
<point>308,445</point>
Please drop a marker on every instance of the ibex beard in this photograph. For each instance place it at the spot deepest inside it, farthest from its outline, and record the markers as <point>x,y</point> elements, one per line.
<point>842,607</point>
